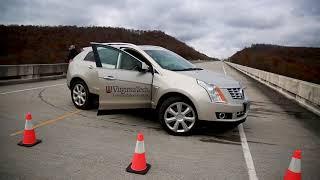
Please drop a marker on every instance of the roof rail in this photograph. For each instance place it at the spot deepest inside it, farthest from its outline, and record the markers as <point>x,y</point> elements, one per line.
<point>113,43</point>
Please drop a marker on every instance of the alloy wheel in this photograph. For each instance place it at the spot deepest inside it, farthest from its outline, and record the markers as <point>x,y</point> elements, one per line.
<point>179,117</point>
<point>79,95</point>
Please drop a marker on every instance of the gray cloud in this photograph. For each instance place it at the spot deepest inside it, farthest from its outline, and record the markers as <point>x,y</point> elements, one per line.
<point>252,22</point>
<point>217,28</point>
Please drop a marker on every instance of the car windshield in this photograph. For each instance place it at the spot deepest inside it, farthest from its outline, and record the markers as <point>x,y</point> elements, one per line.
<point>170,60</point>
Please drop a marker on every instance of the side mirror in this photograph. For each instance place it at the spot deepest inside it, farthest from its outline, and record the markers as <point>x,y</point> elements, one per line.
<point>143,67</point>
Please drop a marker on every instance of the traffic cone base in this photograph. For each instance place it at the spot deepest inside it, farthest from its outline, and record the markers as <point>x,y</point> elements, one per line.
<point>292,175</point>
<point>30,145</point>
<point>130,170</point>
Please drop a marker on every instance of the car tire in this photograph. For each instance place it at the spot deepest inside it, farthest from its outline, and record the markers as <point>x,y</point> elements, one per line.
<point>178,122</point>
<point>80,95</point>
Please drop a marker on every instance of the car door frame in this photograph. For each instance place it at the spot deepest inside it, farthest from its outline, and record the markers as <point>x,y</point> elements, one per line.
<point>99,65</point>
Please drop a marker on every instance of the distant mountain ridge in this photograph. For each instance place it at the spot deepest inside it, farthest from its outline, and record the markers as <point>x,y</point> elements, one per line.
<point>49,44</point>
<point>297,62</point>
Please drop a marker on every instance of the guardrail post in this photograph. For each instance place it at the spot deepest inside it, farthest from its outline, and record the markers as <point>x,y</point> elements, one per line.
<point>35,71</point>
<point>25,72</point>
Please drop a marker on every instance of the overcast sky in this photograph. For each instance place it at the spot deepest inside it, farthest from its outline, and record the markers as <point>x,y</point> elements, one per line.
<point>218,28</point>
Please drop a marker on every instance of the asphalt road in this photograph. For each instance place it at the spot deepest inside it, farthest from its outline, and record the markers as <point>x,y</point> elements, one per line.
<point>81,145</point>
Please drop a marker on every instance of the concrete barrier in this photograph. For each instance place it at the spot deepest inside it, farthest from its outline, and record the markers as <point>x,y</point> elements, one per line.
<point>11,74</point>
<point>305,93</point>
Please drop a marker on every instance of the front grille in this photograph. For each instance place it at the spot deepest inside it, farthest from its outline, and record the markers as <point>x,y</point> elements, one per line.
<point>236,93</point>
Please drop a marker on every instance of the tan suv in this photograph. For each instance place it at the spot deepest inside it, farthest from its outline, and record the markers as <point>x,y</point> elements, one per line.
<point>127,76</point>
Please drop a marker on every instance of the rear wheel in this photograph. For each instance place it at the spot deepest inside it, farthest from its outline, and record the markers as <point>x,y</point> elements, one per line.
<point>177,116</point>
<point>80,95</point>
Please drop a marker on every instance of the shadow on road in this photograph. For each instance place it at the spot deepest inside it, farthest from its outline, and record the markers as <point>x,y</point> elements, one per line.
<point>209,132</point>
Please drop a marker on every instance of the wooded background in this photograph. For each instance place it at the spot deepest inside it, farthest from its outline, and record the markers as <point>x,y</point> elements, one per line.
<point>297,62</point>
<point>49,44</point>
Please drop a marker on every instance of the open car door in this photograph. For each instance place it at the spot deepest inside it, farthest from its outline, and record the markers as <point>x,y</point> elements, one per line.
<point>124,81</point>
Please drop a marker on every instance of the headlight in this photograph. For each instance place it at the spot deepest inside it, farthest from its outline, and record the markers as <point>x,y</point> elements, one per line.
<point>214,92</point>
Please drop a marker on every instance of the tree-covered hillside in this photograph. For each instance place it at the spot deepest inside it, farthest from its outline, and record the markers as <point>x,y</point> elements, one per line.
<point>296,62</point>
<point>49,44</point>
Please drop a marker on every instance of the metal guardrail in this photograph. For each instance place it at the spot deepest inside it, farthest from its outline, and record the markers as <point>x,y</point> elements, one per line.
<point>31,72</point>
<point>305,93</point>
<point>10,74</point>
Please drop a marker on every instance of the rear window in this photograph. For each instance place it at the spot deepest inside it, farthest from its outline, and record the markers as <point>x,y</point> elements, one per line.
<point>89,57</point>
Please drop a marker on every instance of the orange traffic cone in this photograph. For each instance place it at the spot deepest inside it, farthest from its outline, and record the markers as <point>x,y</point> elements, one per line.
<point>294,170</point>
<point>139,164</point>
<point>29,135</point>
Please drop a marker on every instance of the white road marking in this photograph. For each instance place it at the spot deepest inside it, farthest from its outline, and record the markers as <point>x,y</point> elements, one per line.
<point>245,148</point>
<point>247,154</point>
<point>21,90</point>
<point>224,70</point>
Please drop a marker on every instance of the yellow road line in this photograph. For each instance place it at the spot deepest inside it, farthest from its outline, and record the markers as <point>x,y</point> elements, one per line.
<point>50,121</point>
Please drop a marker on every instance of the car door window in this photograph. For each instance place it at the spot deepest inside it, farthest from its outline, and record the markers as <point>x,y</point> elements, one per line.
<point>137,55</point>
<point>108,57</point>
<point>128,62</point>
<point>89,57</point>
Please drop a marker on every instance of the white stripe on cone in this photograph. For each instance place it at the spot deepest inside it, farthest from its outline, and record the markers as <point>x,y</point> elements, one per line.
<point>295,165</point>
<point>139,147</point>
<point>28,125</point>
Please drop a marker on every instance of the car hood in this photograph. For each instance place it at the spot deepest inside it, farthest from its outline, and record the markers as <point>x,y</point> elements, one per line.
<point>211,77</point>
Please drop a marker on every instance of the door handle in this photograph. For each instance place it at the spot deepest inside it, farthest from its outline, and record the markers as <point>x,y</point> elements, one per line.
<point>111,78</point>
<point>90,67</point>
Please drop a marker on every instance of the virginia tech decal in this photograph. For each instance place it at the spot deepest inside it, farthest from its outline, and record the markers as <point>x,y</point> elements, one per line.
<point>108,89</point>
<point>128,91</point>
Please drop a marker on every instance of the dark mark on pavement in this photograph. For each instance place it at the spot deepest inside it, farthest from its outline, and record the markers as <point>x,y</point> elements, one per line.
<point>211,140</point>
<point>257,142</point>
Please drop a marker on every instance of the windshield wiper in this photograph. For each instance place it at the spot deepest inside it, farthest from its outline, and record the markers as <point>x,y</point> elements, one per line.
<point>187,69</point>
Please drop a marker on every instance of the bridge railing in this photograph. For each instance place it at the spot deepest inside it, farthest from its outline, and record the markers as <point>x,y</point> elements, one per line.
<point>305,93</point>
<point>31,72</point>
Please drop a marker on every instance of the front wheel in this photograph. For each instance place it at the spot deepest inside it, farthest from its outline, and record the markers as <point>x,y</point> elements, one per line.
<point>177,116</point>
